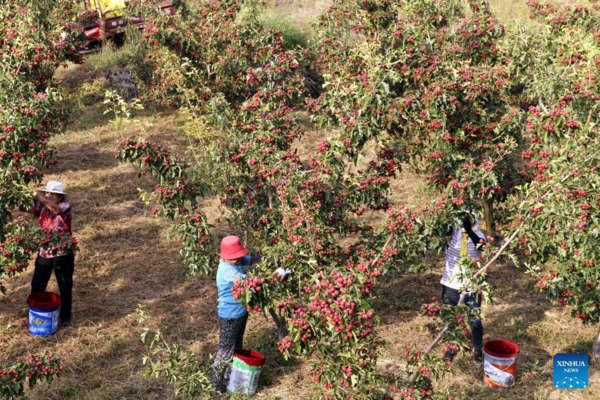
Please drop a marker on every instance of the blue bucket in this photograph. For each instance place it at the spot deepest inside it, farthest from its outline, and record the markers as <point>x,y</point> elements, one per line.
<point>43,313</point>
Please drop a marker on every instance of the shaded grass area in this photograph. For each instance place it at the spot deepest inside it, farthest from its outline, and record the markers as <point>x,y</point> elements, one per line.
<point>517,314</point>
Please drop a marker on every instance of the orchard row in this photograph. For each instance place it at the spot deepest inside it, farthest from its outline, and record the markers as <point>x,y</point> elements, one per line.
<point>36,37</point>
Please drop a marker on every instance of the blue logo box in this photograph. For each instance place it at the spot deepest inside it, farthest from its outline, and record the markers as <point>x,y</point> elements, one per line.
<point>570,371</point>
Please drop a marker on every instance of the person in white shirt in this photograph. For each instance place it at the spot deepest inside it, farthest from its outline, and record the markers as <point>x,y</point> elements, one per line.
<point>466,242</point>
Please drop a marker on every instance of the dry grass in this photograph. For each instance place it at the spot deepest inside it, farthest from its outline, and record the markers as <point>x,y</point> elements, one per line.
<point>540,329</point>
<point>126,261</point>
<point>517,10</point>
<point>510,10</point>
<point>303,13</point>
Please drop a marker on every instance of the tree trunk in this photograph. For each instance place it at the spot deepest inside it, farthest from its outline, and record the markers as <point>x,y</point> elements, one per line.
<point>596,348</point>
<point>280,323</point>
<point>488,213</point>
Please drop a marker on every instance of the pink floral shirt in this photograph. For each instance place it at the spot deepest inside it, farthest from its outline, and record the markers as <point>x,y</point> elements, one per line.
<point>50,222</point>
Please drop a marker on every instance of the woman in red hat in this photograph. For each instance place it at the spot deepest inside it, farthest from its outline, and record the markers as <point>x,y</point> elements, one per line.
<point>232,314</point>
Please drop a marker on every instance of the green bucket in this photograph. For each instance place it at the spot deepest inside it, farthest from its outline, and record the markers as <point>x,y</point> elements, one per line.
<point>245,371</point>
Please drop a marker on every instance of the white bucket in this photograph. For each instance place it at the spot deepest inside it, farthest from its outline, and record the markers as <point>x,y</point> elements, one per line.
<point>500,364</point>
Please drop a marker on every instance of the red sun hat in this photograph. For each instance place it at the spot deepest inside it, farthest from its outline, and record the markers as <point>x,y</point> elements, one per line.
<point>231,248</point>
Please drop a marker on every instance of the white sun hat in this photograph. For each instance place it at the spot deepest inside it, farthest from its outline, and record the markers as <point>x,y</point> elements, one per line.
<point>54,187</point>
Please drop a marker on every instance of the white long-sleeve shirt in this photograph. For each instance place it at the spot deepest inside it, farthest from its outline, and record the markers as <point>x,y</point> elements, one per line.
<point>451,269</point>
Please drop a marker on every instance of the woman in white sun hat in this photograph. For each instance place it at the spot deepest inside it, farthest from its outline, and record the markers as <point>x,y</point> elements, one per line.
<point>54,215</point>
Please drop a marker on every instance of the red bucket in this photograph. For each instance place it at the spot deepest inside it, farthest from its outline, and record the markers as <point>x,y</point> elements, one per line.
<point>500,364</point>
<point>43,300</point>
<point>245,370</point>
<point>250,357</point>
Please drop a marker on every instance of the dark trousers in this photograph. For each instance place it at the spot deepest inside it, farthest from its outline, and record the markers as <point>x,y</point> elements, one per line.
<point>63,267</point>
<point>452,296</point>
<point>231,338</point>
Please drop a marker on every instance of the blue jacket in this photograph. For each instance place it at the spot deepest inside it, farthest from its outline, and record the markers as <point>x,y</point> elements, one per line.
<point>227,274</point>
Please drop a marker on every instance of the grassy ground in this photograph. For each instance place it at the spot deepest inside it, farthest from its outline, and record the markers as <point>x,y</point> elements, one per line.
<point>126,260</point>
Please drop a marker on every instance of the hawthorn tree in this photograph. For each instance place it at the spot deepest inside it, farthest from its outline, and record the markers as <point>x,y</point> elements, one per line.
<point>36,37</point>
<point>30,369</point>
<point>554,220</point>
<point>297,210</point>
<point>430,83</point>
<point>559,209</point>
